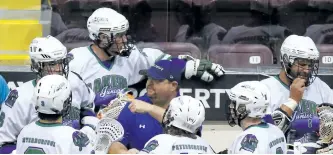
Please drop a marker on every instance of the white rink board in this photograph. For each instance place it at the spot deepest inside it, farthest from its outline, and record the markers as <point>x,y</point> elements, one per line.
<point>219,134</point>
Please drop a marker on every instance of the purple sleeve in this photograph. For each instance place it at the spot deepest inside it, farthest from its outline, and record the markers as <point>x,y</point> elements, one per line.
<point>126,118</point>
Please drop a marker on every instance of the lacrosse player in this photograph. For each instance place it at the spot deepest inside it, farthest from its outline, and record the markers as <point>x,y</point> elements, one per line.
<point>112,62</point>
<point>297,92</point>
<point>48,135</point>
<point>246,108</point>
<point>48,56</point>
<point>181,121</point>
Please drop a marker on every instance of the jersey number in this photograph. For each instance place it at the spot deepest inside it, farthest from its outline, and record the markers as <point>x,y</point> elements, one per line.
<point>310,123</point>
<point>2,118</point>
<point>34,150</point>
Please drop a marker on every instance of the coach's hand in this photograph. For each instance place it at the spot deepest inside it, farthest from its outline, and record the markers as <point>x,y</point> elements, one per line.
<point>204,69</point>
<point>138,106</point>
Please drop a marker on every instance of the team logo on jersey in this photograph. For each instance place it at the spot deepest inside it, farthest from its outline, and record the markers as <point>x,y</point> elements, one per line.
<point>11,99</point>
<point>279,151</point>
<point>306,110</point>
<point>80,139</point>
<point>249,143</point>
<point>152,145</point>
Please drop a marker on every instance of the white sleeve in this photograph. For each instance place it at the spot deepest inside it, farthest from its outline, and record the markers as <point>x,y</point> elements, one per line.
<point>77,64</point>
<point>143,59</point>
<point>82,94</point>
<point>157,145</point>
<point>328,93</point>
<point>15,113</point>
<point>244,144</point>
<point>81,144</point>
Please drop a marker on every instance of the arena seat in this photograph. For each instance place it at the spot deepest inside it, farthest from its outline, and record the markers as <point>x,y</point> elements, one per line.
<point>326,55</point>
<point>173,48</point>
<point>154,13</point>
<point>20,22</point>
<point>240,55</point>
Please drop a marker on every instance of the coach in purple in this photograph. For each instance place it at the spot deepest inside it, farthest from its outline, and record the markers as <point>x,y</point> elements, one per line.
<point>162,86</point>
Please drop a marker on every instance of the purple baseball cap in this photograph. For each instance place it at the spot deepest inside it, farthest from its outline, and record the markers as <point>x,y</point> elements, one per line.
<point>171,70</point>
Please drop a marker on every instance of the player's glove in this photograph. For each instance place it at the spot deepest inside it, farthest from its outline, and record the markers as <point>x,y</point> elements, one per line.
<point>204,69</point>
<point>90,121</point>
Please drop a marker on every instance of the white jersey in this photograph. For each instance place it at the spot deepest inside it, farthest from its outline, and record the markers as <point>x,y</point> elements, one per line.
<point>16,112</point>
<point>124,71</point>
<point>41,138</point>
<point>19,108</point>
<point>305,120</point>
<point>318,92</point>
<point>264,138</point>
<point>169,144</point>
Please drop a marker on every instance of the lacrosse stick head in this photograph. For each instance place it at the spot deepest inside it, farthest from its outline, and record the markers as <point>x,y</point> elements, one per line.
<point>108,131</point>
<point>113,109</point>
<point>326,126</point>
<point>324,106</point>
<point>116,105</point>
<point>125,95</point>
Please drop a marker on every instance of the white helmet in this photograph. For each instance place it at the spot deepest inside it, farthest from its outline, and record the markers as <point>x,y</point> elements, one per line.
<point>248,99</point>
<point>104,25</point>
<point>52,95</point>
<point>48,51</point>
<point>186,113</point>
<point>300,47</point>
<point>108,21</point>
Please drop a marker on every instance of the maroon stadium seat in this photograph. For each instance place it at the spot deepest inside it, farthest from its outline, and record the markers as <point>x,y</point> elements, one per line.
<point>240,55</point>
<point>156,14</point>
<point>79,10</point>
<point>326,55</point>
<point>173,48</point>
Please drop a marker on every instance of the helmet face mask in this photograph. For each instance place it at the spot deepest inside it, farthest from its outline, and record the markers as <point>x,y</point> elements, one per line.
<point>49,56</point>
<point>235,114</point>
<point>300,58</point>
<point>113,45</point>
<point>60,67</point>
<point>107,28</point>
<point>301,68</point>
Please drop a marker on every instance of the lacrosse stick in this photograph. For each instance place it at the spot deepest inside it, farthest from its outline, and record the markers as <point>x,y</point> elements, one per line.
<point>326,130</point>
<point>326,126</point>
<point>108,131</point>
<point>115,106</point>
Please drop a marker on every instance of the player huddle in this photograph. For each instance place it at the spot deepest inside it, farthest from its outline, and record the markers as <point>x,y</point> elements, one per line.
<point>56,111</point>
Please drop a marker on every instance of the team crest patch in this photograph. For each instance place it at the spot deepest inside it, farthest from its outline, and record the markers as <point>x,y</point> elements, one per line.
<point>80,139</point>
<point>11,99</point>
<point>152,145</point>
<point>249,143</point>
